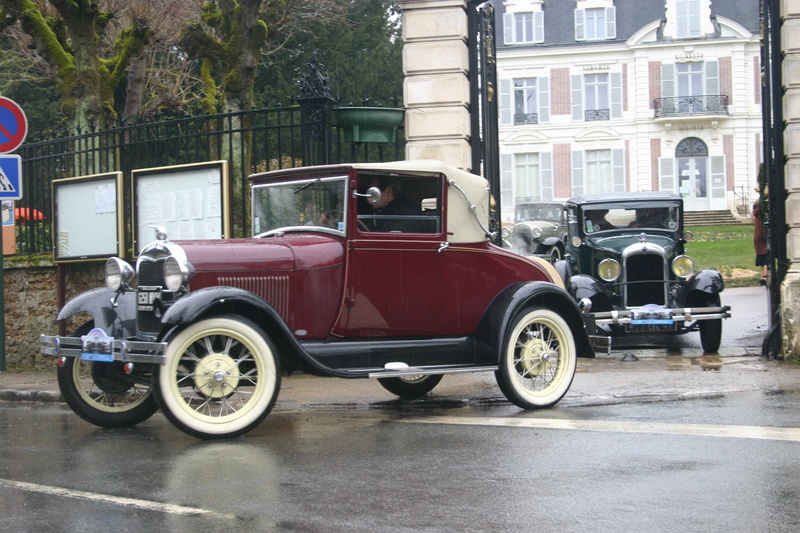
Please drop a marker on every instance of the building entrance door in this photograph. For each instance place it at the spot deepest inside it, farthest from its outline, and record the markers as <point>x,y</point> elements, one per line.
<point>693,182</point>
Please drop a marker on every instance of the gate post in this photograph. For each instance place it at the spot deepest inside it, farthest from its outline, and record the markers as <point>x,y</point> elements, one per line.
<point>436,87</point>
<point>316,110</point>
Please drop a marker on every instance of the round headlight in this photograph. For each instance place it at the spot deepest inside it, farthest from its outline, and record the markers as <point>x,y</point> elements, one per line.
<point>176,273</point>
<point>608,270</point>
<point>576,242</point>
<point>682,266</point>
<point>688,235</point>
<point>118,274</point>
<point>505,232</point>
<point>536,232</point>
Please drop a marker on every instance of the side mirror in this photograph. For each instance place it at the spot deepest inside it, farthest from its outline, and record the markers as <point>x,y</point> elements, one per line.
<point>373,195</point>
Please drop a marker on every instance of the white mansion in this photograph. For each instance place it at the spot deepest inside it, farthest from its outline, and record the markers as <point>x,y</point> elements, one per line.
<point>600,96</point>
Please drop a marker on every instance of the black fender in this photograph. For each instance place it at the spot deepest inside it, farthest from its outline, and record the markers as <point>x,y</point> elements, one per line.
<point>545,246</point>
<point>708,282</point>
<point>117,320</point>
<point>564,269</point>
<point>495,325</point>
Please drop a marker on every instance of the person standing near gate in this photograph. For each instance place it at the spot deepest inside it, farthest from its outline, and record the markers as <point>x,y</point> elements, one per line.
<point>760,239</point>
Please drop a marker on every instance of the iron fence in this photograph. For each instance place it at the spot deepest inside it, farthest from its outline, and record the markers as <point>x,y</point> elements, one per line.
<point>253,141</point>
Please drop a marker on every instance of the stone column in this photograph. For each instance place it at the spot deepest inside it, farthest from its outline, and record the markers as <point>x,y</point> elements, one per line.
<point>436,87</point>
<point>790,289</point>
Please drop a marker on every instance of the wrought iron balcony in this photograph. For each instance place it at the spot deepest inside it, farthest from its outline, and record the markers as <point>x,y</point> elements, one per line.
<point>526,118</point>
<point>597,114</point>
<point>713,104</point>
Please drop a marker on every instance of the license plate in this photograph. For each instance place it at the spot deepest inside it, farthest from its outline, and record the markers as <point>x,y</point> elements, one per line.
<point>97,346</point>
<point>651,318</point>
<point>146,296</point>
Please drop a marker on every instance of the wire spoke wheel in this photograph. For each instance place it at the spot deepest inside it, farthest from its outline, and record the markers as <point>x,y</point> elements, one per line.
<point>102,393</point>
<point>220,378</point>
<point>539,361</point>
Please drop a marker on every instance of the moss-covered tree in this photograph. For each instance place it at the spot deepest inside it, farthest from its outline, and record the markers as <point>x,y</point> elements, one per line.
<point>71,38</point>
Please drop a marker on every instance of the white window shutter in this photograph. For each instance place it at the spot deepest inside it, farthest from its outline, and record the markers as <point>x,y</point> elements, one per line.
<point>618,169</point>
<point>508,28</point>
<point>616,95</point>
<point>506,181</point>
<point>577,173</point>
<point>506,116</point>
<point>666,174</point>
<point>712,77</point>
<point>667,80</point>
<point>718,185</point>
<point>546,174</point>
<point>538,26</point>
<point>544,99</point>
<point>577,98</point>
<point>580,25</point>
<point>611,23</point>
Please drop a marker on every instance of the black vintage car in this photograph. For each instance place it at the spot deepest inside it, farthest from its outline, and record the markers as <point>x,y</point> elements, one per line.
<point>625,265</point>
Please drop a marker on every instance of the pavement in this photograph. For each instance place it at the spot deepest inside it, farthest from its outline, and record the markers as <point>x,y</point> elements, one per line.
<point>641,370</point>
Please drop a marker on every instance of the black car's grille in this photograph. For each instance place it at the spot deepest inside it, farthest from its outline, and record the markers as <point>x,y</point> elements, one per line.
<point>151,274</point>
<point>645,277</point>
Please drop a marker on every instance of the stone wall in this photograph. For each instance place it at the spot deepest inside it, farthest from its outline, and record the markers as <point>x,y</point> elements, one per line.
<point>31,303</point>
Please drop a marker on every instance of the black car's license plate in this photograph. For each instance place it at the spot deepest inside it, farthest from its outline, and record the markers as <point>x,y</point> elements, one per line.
<point>146,296</point>
<point>651,318</point>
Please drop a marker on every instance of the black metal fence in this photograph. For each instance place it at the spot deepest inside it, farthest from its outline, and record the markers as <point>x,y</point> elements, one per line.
<point>302,134</point>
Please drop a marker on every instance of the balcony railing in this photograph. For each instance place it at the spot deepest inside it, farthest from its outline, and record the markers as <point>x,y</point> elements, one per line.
<point>714,104</point>
<point>526,118</point>
<point>597,114</point>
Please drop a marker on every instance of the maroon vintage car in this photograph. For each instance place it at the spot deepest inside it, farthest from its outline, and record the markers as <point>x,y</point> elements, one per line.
<point>355,271</point>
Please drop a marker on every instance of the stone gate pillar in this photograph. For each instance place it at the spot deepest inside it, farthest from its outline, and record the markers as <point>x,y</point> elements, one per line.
<point>790,289</point>
<point>436,88</point>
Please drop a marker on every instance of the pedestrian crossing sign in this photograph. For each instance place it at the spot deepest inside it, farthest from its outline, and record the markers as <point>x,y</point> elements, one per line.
<point>10,177</point>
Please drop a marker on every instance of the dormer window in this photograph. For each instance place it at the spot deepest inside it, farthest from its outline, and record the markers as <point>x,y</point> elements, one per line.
<point>595,23</point>
<point>687,19</point>
<point>523,22</point>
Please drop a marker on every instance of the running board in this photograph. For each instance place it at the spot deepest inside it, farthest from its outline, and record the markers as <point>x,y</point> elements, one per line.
<point>396,372</point>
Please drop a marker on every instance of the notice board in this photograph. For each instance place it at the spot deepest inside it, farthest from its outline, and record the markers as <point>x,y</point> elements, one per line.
<point>88,221</point>
<point>190,202</point>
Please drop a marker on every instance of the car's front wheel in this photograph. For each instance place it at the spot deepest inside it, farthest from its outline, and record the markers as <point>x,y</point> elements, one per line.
<point>220,379</point>
<point>102,393</point>
<point>410,387</point>
<point>539,359</point>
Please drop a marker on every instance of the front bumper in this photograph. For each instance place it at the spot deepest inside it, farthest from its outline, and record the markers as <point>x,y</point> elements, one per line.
<point>679,315</point>
<point>128,351</point>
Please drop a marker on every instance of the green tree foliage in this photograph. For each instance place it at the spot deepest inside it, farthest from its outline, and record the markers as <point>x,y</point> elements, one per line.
<point>72,40</point>
<point>362,53</point>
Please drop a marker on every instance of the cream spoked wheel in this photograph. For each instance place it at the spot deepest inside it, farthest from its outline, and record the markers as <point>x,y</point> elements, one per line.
<point>103,394</point>
<point>539,359</point>
<point>220,378</point>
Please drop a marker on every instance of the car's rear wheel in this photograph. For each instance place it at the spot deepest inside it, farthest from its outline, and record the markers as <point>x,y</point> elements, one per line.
<point>555,254</point>
<point>539,359</point>
<point>410,387</point>
<point>102,393</point>
<point>220,379</point>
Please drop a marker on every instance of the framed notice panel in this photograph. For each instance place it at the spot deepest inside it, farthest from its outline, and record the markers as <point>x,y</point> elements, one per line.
<point>189,201</point>
<point>88,221</point>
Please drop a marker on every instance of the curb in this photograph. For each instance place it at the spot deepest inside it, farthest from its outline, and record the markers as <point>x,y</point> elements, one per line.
<point>11,395</point>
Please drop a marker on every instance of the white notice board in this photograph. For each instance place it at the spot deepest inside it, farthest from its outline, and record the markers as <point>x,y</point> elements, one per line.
<point>88,217</point>
<point>190,201</point>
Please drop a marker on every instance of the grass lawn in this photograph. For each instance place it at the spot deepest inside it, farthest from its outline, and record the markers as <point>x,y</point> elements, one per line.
<point>728,249</point>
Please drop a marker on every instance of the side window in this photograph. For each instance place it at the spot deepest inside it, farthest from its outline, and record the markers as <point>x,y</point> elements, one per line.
<point>407,203</point>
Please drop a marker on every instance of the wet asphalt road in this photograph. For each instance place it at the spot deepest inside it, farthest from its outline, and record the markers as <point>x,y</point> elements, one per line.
<point>673,441</point>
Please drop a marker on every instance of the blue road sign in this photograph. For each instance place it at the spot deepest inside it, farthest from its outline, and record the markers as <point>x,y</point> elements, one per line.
<point>10,177</point>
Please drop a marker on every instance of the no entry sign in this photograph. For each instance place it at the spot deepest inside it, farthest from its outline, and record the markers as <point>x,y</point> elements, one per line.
<point>13,125</point>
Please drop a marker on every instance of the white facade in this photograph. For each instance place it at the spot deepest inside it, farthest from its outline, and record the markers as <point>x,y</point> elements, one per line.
<point>590,103</point>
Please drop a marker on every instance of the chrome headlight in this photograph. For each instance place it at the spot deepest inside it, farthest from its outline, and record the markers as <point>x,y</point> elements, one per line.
<point>536,232</point>
<point>576,242</point>
<point>118,274</point>
<point>176,273</point>
<point>608,270</point>
<point>688,235</point>
<point>682,266</point>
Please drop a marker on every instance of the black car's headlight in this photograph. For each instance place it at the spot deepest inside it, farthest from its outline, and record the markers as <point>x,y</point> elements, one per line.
<point>682,266</point>
<point>118,274</point>
<point>177,273</point>
<point>608,270</point>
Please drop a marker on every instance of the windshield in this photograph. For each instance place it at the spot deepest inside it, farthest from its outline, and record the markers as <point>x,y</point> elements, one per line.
<point>538,212</point>
<point>640,217</point>
<point>313,203</point>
